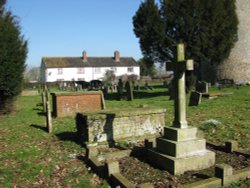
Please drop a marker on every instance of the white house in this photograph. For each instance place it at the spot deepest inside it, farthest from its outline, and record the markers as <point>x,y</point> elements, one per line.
<point>86,68</point>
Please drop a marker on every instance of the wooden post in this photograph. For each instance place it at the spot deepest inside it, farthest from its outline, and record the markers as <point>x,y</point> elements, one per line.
<point>44,102</point>
<point>48,117</point>
<point>46,92</point>
<point>103,101</point>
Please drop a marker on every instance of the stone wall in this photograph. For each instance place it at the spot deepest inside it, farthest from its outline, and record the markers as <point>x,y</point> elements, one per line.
<point>237,67</point>
<point>120,125</point>
<point>68,104</point>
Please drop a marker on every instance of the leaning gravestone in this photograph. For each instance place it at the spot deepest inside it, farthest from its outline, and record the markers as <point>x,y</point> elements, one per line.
<point>180,150</point>
<point>195,98</point>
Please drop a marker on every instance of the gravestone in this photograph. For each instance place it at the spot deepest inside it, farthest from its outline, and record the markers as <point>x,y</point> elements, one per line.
<point>120,89</point>
<point>202,87</point>
<point>180,150</point>
<point>195,98</point>
<point>129,91</point>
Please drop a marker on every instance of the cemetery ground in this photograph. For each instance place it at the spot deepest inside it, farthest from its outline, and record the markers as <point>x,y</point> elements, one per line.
<point>31,157</point>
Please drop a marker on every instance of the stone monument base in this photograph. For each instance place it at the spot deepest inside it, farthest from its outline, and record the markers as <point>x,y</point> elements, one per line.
<point>180,150</point>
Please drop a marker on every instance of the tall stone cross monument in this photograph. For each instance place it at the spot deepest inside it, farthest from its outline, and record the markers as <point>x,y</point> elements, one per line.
<point>180,149</point>
<point>179,68</point>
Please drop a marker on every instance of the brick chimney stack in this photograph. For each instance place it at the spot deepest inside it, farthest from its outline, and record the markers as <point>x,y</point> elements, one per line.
<point>117,56</point>
<point>84,56</point>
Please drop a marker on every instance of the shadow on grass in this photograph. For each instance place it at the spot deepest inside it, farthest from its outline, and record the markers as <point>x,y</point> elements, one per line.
<point>37,109</point>
<point>145,94</point>
<point>41,113</point>
<point>70,136</point>
<point>137,95</point>
<point>39,127</point>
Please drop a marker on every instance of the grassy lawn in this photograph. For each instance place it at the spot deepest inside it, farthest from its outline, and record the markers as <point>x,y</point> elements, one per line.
<point>30,157</point>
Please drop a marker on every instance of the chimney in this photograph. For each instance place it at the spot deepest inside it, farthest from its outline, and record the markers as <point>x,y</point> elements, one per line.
<point>117,56</point>
<point>84,56</point>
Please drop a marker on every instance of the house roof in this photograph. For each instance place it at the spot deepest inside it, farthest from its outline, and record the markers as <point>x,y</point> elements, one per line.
<point>67,62</point>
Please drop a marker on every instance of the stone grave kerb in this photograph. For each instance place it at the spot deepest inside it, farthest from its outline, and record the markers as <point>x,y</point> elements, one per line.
<point>180,66</point>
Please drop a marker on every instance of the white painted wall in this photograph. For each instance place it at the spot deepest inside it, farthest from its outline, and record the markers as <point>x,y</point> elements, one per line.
<point>90,73</point>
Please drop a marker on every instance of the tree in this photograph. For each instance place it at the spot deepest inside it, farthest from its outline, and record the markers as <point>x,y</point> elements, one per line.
<point>109,77</point>
<point>208,29</point>
<point>147,67</point>
<point>32,74</point>
<point>13,51</point>
<point>148,27</point>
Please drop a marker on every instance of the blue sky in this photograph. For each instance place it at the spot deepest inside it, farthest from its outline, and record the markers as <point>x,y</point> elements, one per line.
<point>67,27</point>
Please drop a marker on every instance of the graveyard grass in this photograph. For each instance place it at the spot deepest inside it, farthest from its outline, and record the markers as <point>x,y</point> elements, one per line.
<point>30,157</point>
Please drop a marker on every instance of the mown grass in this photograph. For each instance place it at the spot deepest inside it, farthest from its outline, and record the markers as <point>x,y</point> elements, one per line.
<point>30,157</point>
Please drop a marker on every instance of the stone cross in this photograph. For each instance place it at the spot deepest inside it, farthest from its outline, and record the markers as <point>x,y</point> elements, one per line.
<point>179,68</point>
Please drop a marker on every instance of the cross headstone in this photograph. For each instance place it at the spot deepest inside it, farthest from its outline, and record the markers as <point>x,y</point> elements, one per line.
<point>180,149</point>
<point>179,67</point>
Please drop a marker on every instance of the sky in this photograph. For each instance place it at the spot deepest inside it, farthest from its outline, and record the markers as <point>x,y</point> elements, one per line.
<point>67,27</point>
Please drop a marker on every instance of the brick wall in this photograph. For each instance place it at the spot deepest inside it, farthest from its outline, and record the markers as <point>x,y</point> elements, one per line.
<point>128,124</point>
<point>67,104</point>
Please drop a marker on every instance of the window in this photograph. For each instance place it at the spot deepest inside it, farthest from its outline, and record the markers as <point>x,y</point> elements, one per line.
<point>97,70</point>
<point>113,69</point>
<point>80,70</point>
<point>130,69</point>
<point>81,79</point>
<point>60,71</point>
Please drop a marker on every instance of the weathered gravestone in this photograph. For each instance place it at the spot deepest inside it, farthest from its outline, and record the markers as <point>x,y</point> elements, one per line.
<point>180,150</point>
<point>195,98</point>
<point>120,89</point>
<point>202,87</point>
<point>129,90</point>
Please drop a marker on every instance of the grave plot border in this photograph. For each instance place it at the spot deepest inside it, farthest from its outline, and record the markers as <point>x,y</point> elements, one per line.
<point>224,174</point>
